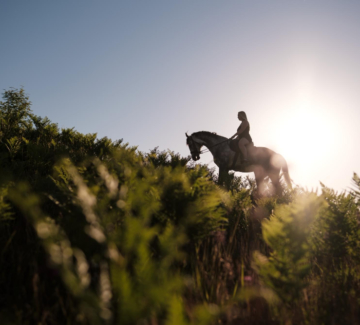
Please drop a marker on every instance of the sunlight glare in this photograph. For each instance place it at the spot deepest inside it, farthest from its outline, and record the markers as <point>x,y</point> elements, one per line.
<point>307,137</point>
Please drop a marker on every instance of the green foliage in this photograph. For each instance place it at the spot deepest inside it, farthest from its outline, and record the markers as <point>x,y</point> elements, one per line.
<point>92,231</point>
<point>338,229</point>
<point>314,259</point>
<point>109,221</point>
<point>287,232</point>
<point>335,240</point>
<point>5,208</point>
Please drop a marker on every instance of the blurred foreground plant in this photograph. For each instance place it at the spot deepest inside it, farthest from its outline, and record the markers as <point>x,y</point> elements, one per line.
<point>95,232</point>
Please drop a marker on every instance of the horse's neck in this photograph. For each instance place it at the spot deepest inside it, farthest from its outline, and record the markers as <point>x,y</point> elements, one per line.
<point>208,140</point>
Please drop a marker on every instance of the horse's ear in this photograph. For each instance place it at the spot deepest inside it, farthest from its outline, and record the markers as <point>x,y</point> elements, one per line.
<point>186,134</point>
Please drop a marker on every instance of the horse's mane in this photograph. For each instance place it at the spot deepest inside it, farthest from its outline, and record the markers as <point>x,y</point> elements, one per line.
<point>210,134</point>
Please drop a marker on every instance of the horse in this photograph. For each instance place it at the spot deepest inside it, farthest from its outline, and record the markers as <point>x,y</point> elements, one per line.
<point>263,161</point>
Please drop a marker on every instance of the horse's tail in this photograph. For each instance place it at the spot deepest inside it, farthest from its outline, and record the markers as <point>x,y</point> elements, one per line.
<point>285,171</point>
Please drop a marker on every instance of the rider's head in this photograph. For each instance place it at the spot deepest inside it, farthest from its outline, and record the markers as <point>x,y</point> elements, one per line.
<point>242,116</point>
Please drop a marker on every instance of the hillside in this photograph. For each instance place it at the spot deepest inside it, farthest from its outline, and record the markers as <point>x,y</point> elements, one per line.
<point>92,231</point>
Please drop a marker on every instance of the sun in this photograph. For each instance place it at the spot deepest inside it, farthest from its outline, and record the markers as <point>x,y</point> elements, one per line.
<point>306,137</point>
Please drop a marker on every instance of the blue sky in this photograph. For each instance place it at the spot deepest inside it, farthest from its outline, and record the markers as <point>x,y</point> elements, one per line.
<point>148,71</point>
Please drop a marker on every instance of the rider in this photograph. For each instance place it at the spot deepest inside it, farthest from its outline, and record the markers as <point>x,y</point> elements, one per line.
<point>243,135</point>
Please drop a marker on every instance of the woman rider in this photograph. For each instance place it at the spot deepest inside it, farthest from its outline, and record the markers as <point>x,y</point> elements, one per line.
<point>243,136</point>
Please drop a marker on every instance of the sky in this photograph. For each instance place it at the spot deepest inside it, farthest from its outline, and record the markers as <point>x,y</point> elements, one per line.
<point>149,71</point>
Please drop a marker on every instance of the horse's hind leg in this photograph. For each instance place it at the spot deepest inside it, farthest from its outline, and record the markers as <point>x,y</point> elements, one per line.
<point>259,178</point>
<point>275,180</point>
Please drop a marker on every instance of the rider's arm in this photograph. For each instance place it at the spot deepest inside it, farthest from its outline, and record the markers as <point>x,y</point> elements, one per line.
<point>243,126</point>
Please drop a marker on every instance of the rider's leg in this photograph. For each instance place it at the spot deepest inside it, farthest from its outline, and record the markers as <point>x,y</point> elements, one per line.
<point>243,142</point>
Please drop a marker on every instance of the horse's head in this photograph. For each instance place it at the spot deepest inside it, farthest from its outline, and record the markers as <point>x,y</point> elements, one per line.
<point>194,147</point>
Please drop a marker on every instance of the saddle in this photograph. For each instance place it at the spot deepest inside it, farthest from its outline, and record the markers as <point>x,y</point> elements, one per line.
<point>235,147</point>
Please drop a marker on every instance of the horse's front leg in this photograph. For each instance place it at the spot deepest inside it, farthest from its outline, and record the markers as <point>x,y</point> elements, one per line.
<point>221,160</point>
<point>223,173</point>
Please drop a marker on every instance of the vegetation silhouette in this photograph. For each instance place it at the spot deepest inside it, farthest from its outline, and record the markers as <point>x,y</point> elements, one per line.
<point>264,162</point>
<point>92,231</point>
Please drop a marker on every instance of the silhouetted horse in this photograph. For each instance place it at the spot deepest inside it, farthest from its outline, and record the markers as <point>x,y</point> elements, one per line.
<point>263,161</point>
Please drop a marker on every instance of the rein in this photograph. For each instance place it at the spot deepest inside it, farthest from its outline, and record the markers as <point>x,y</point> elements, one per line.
<point>207,149</point>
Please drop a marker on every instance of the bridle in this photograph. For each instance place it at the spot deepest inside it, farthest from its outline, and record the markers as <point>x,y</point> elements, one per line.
<point>194,153</point>
<point>198,153</point>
